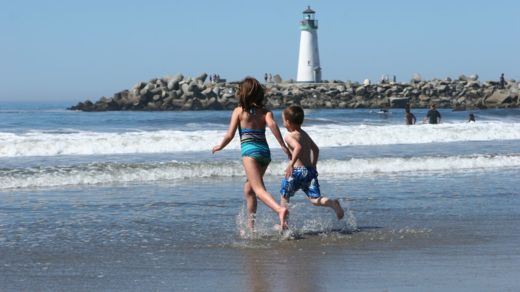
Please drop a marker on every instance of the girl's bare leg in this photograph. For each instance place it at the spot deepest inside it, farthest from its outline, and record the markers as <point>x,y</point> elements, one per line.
<point>251,201</point>
<point>251,204</point>
<point>255,179</point>
<point>284,202</point>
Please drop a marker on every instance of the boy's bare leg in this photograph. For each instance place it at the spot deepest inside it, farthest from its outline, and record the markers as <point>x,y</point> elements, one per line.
<point>338,209</point>
<point>326,202</point>
<point>251,204</point>
<point>254,175</point>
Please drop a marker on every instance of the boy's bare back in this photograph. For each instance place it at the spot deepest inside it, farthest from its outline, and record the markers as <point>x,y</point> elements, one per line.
<point>307,155</point>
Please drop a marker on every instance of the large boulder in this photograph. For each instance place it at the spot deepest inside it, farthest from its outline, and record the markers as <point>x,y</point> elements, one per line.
<point>416,78</point>
<point>499,97</point>
<point>277,79</point>
<point>178,77</point>
<point>202,78</point>
<point>399,102</point>
<point>185,87</point>
<point>473,77</point>
<point>173,84</point>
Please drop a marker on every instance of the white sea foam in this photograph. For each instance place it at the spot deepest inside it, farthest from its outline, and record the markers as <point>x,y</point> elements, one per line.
<point>169,141</point>
<point>96,143</point>
<point>108,173</point>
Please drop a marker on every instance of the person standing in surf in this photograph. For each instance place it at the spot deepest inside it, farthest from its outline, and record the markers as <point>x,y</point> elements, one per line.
<point>409,117</point>
<point>433,116</point>
<point>471,118</point>
<point>301,172</point>
<point>251,119</point>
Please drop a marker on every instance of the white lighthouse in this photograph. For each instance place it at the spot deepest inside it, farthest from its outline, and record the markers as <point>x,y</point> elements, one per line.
<point>309,69</point>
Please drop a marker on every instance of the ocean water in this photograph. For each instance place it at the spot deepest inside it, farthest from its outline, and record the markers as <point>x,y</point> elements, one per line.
<point>136,201</point>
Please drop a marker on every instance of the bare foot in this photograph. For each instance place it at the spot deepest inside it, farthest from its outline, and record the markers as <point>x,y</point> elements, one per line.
<point>337,208</point>
<point>283,217</point>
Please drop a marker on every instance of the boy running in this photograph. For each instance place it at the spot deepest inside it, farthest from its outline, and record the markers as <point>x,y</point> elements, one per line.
<point>301,171</point>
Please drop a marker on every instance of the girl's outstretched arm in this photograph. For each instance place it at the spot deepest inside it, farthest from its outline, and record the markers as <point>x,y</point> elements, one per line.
<point>230,134</point>
<point>271,123</point>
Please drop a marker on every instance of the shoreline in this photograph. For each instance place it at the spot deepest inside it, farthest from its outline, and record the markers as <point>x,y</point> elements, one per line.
<point>181,93</point>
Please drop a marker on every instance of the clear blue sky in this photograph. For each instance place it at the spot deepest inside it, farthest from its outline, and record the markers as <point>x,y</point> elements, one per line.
<point>73,50</point>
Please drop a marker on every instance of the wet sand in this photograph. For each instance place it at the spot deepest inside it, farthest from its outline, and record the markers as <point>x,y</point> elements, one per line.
<point>367,260</point>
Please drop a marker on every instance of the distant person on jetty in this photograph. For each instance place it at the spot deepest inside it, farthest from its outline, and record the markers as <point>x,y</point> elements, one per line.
<point>502,81</point>
<point>251,119</point>
<point>301,172</point>
<point>433,116</point>
<point>471,118</point>
<point>266,77</point>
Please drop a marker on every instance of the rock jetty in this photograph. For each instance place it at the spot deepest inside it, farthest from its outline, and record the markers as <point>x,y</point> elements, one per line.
<point>187,93</point>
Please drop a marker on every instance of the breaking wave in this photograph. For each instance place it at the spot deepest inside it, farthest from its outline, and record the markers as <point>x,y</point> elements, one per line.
<point>116,172</point>
<point>169,141</point>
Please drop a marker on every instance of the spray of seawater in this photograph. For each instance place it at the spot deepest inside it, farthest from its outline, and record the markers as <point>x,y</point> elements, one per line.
<point>301,223</point>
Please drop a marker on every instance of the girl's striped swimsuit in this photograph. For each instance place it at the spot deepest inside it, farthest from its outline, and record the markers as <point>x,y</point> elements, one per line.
<point>253,144</point>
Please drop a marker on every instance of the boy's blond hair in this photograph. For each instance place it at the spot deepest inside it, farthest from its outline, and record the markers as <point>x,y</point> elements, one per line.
<point>294,114</point>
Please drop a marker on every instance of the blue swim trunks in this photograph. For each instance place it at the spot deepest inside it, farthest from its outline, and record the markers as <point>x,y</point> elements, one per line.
<point>304,178</point>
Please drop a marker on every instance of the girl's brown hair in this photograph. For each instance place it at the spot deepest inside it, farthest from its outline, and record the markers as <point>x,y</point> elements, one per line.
<point>250,94</point>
